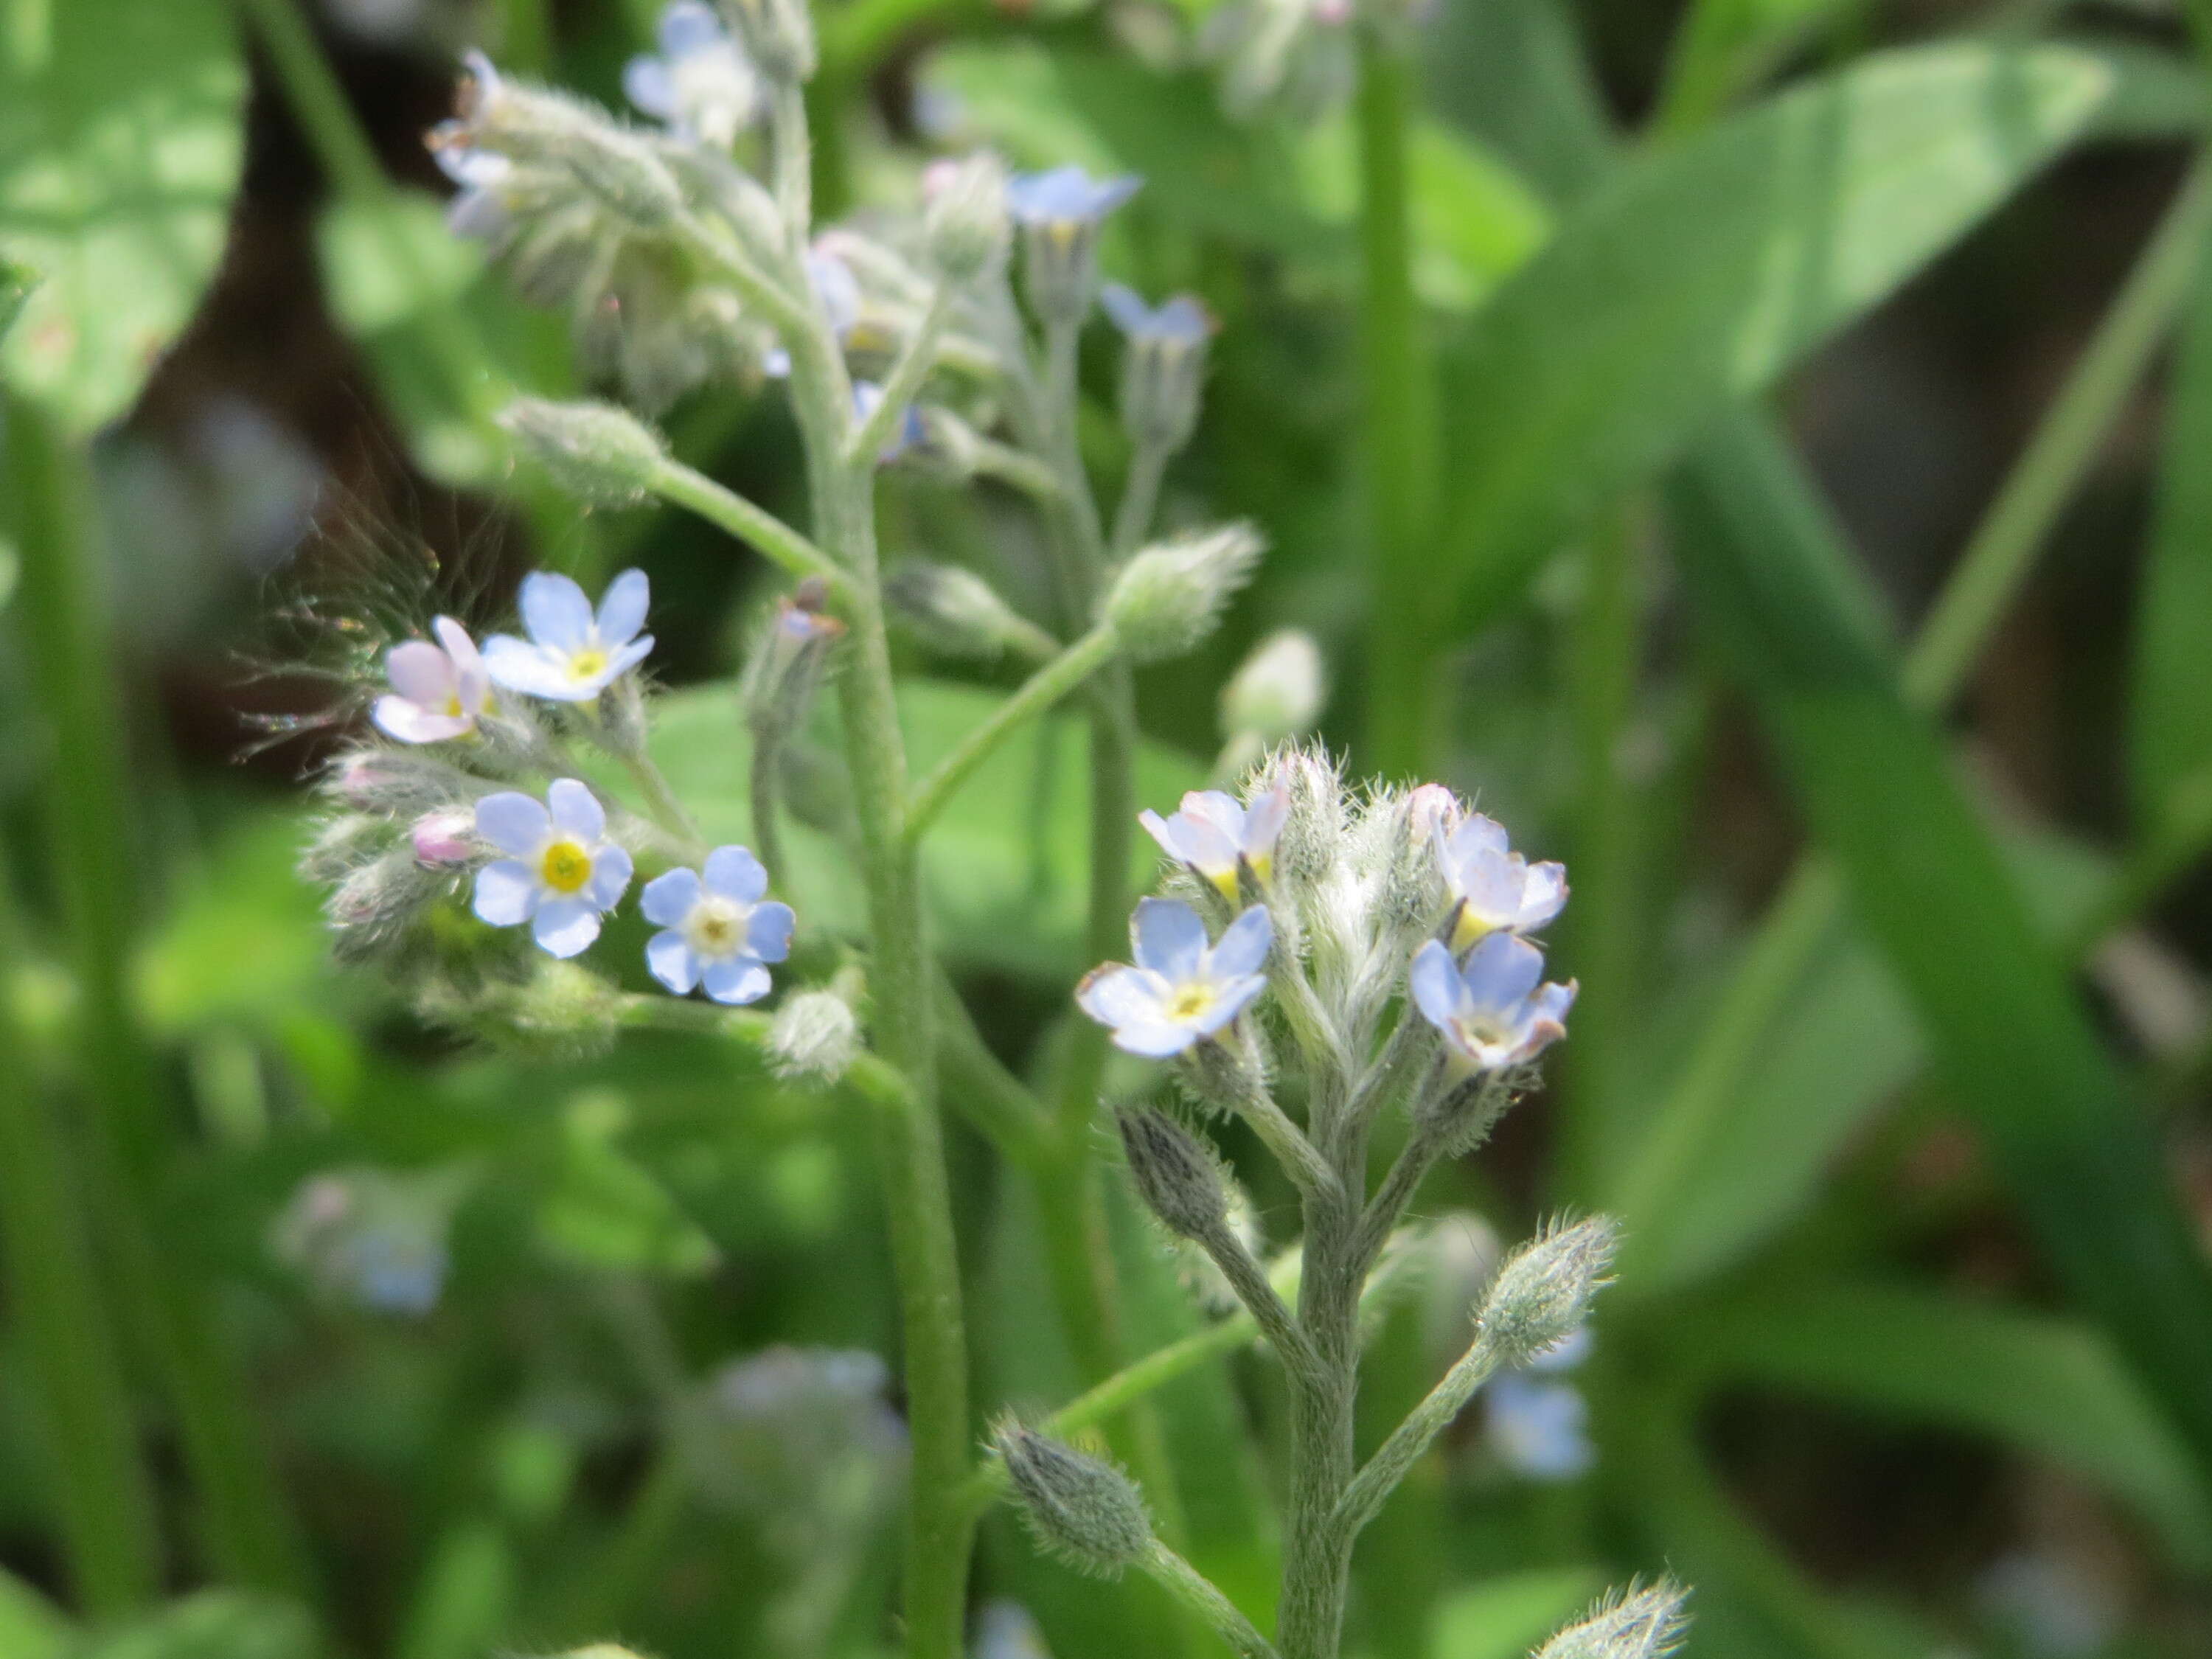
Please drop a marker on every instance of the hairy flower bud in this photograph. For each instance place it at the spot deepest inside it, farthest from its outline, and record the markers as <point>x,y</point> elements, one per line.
<point>814,1037</point>
<point>1082,1509</point>
<point>965,224</point>
<point>563,1012</point>
<point>598,453</point>
<point>1643,1622</point>
<point>444,839</point>
<point>957,612</point>
<point>1278,692</point>
<point>1179,1180</point>
<point>1543,1292</point>
<point>778,35</point>
<point>1169,597</point>
<point>533,127</point>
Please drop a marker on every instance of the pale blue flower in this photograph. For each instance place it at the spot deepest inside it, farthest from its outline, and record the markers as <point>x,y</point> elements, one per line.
<point>1066,196</point>
<point>438,691</point>
<point>483,207</point>
<point>1539,1428</point>
<point>1213,835</point>
<point>1181,991</point>
<point>906,431</point>
<point>572,655</point>
<point>1494,887</point>
<point>1178,324</point>
<point>1490,1008</point>
<point>372,1238</point>
<point>716,930</point>
<point>562,873</point>
<point>700,85</point>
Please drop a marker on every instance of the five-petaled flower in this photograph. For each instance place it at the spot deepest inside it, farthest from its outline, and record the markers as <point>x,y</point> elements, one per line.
<point>701,84</point>
<point>572,655</point>
<point>1489,1007</point>
<point>1494,889</point>
<point>1213,835</point>
<point>1179,991</point>
<point>438,691</point>
<point>1065,198</point>
<point>717,932</point>
<point>1176,324</point>
<point>562,871</point>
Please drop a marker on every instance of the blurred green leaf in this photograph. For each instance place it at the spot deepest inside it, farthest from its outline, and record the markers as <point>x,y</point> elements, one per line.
<point>246,939</point>
<point>997,895</point>
<point>31,1628</point>
<point>1698,274</point>
<point>17,282</point>
<point>119,150</point>
<point>2050,1387</point>
<point>2013,1048</point>
<point>212,1625</point>
<point>603,1210</point>
<point>1509,1615</point>
<point>2169,716</point>
<point>1722,48</point>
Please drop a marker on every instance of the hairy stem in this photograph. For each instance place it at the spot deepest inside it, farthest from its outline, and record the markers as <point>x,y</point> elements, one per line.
<point>1192,1587</point>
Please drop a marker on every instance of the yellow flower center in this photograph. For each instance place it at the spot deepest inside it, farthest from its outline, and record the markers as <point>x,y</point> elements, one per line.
<point>586,664</point>
<point>1189,1001</point>
<point>564,867</point>
<point>1226,881</point>
<point>452,709</point>
<point>1466,928</point>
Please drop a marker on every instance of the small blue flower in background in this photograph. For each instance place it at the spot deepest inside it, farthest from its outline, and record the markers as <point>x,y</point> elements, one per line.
<point>1179,991</point>
<point>1067,198</point>
<point>1177,323</point>
<point>480,209</point>
<point>700,85</point>
<point>438,691</point>
<point>372,1238</point>
<point>906,431</point>
<point>1536,1423</point>
<point>1496,888</point>
<point>1213,835</point>
<point>717,933</point>
<point>1489,1008</point>
<point>562,873</point>
<point>1005,1630</point>
<point>572,655</point>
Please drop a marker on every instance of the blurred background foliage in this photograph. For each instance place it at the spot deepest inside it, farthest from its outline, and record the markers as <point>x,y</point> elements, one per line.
<point>1791,507</point>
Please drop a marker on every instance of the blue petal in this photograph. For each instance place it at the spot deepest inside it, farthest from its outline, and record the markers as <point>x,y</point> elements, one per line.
<point>1127,308</point>
<point>667,899</point>
<point>1438,990</point>
<point>1155,1039</point>
<point>736,980</point>
<point>514,822</point>
<point>735,873</point>
<point>518,665</point>
<point>623,608</point>
<point>505,892</point>
<point>565,926</point>
<point>671,960</point>
<point>1229,1001</point>
<point>1118,995</point>
<point>1501,970</point>
<point>688,26</point>
<point>650,87</point>
<point>768,936</point>
<point>576,809</point>
<point>1244,944</point>
<point>1168,937</point>
<point>555,612</point>
<point>610,874</point>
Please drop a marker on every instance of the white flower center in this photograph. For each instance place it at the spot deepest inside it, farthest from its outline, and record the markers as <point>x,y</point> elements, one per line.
<point>716,925</point>
<point>565,866</point>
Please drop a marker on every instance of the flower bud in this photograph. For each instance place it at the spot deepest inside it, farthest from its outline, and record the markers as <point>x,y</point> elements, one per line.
<point>778,35</point>
<point>1277,694</point>
<point>785,666</point>
<point>1643,1622</point>
<point>814,1037</point>
<point>444,839</point>
<point>1179,1180</point>
<point>601,454</point>
<point>1162,365</point>
<point>1542,1293</point>
<point>965,224</point>
<point>1312,839</point>
<point>957,612</point>
<point>1169,597</point>
<point>1081,1508</point>
<point>534,127</point>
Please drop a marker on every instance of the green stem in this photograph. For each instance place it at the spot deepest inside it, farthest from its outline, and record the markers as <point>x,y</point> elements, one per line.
<point>1140,499</point>
<point>1394,1459</point>
<point>1193,1589</point>
<point>127,1140</point>
<point>108,1520</point>
<point>773,540</point>
<point>901,386</point>
<point>1074,666</point>
<point>1399,432</point>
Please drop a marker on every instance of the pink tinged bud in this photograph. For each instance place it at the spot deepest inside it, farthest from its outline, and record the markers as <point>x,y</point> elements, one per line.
<point>445,839</point>
<point>360,779</point>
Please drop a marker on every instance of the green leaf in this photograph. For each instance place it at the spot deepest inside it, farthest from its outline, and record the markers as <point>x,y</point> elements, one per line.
<point>17,282</point>
<point>119,152</point>
<point>2012,1045</point>
<point>212,1625</point>
<point>2049,1387</point>
<point>31,1626</point>
<point>2170,717</point>
<point>1696,275</point>
<point>997,895</point>
<point>1722,48</point>
<point>1509,1615</point>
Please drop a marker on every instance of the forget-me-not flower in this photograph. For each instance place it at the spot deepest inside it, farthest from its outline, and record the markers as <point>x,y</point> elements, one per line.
<point>482,208</point>
<point>1067,198</point>
<point>717,932</point>
<point>1490,1008</point>
<point>572,655</point>
<point>1179,991</point>
<point>1535,1421</point>
<point>1213,835</point>
<point>1495,889</point>
<point>701,84</point>
<point>1059,213</point>
<point>561,872</point>
<point>438,691</point>
<point>1163,365</point>
<point>1177,323</point>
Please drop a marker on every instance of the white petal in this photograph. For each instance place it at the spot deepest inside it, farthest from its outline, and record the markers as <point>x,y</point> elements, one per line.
<point>610,874</point>
<point>555,612</point>
<point>514,822</point>
<point>421,672</point>
<point>736,979</point>
<point>623,608</point>
<point>505,893</point>
<point>1167,937</point>
<point>410,722</point>
<point>735,873</point>
<point>671,960</point>
<point>565,926</point>
<point>576,809</point>
<point>1543,896</point>
<point>767,935</point>
<point>667,900</point>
